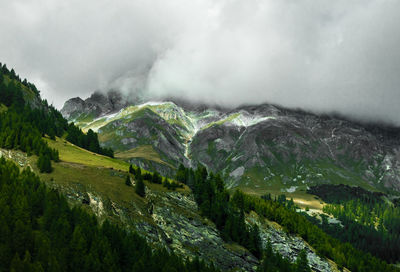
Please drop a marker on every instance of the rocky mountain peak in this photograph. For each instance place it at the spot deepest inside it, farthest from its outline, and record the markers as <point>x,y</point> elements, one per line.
<point>71,106</point>
<point>98,104</point>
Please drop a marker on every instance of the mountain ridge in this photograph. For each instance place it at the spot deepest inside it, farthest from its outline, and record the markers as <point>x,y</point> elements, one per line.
<point>242,142</point>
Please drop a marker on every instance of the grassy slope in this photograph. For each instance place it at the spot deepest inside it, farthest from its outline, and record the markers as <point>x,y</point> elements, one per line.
<point>99,173</point>
<point>74,154</point>
<point>145,151</point>
<point>80,166</point>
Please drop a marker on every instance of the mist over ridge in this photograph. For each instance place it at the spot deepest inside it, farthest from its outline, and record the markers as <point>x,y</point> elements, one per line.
<point>339,57</point>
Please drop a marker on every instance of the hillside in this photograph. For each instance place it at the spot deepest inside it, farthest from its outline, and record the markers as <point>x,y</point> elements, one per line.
<point>164,218</point>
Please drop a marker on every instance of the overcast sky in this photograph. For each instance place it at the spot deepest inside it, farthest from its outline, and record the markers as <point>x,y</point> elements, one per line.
<point>341,56</point>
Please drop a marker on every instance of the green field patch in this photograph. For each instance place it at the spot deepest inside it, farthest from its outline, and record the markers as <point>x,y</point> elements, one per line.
<point>74,154</point>
<point>3,108</point>
<point>145,151</point>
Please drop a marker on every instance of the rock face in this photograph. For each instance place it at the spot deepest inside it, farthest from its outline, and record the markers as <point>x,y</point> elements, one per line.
<point>96,105</point>
<point>287,245</point>
<point>172,220</point>
<point>253,146</point>
<point>73,106</point>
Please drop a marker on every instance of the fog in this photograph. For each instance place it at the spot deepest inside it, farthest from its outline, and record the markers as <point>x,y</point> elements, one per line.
<point>323,56</point>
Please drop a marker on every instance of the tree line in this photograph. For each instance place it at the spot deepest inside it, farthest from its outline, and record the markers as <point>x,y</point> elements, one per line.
<point>154,177</point>
<point>4,71</point>
<point>228,214</point>
<point>18,133</point>
<point>274,262</point>
<point>343,254</point>
<point>367,221</point>
<point>215,203</point>
<point>40,232</point>
<point>374,228</point>
<point>23,126</point>
<point>89,141</point>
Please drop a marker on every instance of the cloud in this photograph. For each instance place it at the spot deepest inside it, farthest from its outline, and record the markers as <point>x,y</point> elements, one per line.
<point>325,56</point>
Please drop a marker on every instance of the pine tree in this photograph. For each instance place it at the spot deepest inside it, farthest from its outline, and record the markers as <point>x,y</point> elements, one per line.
<point>16,264</point>
<point>128,181</point>
<point>52,134</point>
<point>181,175</point>
<point>138,173</point>
<point>140,187</point>
<point>131,170</point>
<point>302,262</point>
<point>44,163</point>
<point>255,241</point>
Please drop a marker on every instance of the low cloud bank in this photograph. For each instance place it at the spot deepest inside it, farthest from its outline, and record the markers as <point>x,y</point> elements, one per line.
<point>340,56</point>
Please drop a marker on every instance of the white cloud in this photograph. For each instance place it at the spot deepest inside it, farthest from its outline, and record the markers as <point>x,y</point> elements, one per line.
<point>324,56</point>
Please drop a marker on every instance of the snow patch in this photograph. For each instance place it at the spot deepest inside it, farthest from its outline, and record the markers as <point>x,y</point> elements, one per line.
<point>246,120</point>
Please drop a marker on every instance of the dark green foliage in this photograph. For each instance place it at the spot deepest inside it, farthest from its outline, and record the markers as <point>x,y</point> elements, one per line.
<point>88,141</point>
<point>52,134</point>
<point>17,132</point>
<point>340,193</point>
<point>131,170</point>
<point>128,181</point>
<point>43,119</point>
<point>40,232</point>
<point>140,187</point>
<point>181,174</point>
<point>137,172</point>
<point>147,176</point>
<point>153,178</point>
<point>156,178</point>
<point>273,262</point>
<point>171,185</point>
<point>215,203</point>
<point>46,119</point>
<point>342,253</point>
<point>44,163</point>
<point>302,262</point>
<point>11,94</point>
<point>372,226</point>
<point>12,75</point>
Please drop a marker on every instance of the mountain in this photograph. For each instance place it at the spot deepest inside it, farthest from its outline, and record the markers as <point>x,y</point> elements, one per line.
<point>257,148</point>
<point>94,106</point>
<point>68,204</point>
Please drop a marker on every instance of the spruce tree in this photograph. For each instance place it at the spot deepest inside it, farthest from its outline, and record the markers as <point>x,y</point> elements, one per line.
<point>44,163</point>
<point>131,170</point>
<point>302,262</point>
<point>52,134</point>
<point>139,187</point>
<point>138,173</point>
<point>128,181</point>
<point>181,175</point>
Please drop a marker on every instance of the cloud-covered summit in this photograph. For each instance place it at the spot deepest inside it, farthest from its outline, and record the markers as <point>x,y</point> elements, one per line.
<point>326,56</point>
